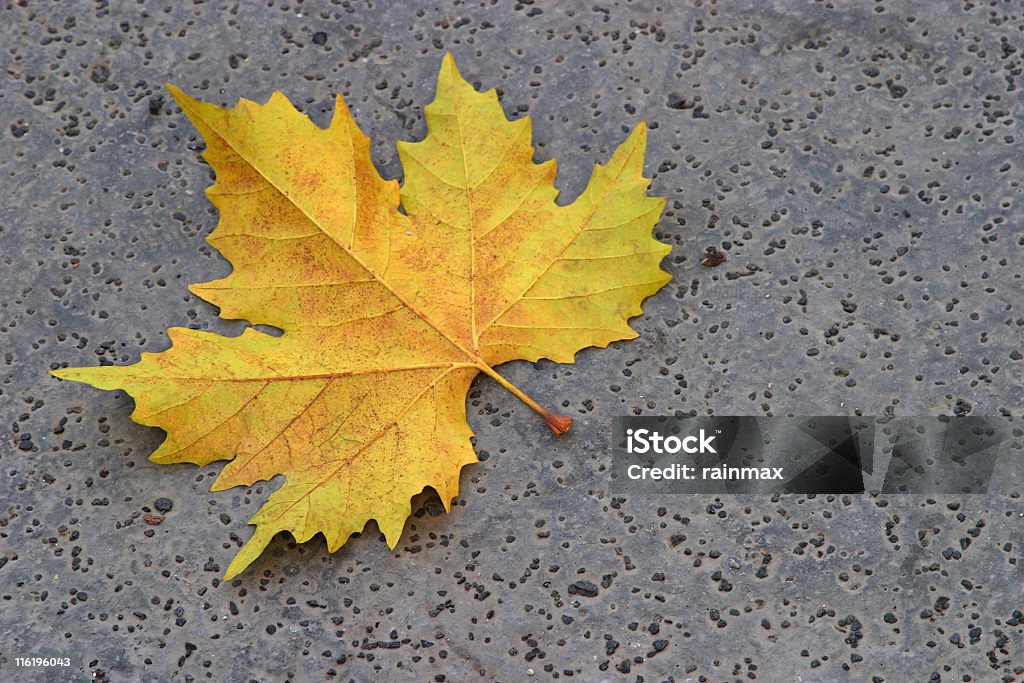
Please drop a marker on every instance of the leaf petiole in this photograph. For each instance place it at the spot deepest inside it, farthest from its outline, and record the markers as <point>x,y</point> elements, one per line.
<point>558,424</point>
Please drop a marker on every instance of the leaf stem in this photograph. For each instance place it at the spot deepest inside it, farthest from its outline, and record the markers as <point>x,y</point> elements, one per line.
<point>558,424</point>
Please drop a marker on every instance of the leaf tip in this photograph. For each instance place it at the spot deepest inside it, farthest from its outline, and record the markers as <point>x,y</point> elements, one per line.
<point>217,485</point>
<point>639,134</point>
<point>279,98</point>
<point>250,551</point>
<point>340,109</point>
<point>392,527</point>
<point>178,94</point>
<point>558,424</point>
<point>231,572</point>
<point>72,374</point>
<point>448,67</point>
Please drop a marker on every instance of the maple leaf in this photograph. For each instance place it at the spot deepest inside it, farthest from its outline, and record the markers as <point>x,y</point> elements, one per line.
<point>386,316</point>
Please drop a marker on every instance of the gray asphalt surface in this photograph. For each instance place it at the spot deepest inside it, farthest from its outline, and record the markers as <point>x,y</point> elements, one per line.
<point>857,162</point>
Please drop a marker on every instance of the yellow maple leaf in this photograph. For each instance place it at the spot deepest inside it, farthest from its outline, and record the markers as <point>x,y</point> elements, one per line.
<point>387,317</point>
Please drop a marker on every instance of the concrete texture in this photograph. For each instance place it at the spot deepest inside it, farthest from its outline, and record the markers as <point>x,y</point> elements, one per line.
<point>857,163</point>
